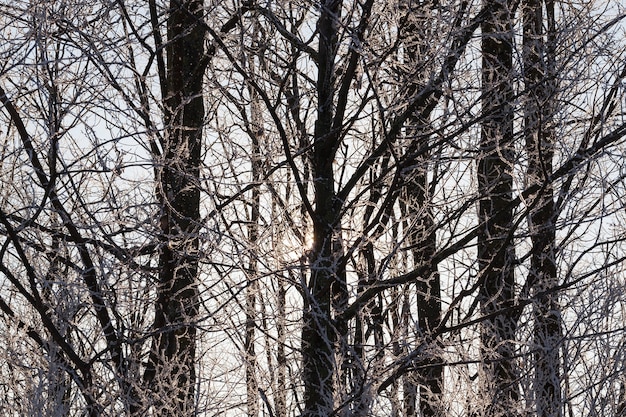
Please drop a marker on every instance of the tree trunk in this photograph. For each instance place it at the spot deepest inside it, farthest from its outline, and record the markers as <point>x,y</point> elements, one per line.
<point>416,203</point>
<point>59,385</point>
<point>281,356</point>
<point>255,130</point>
<point>496,254</point>
<point>539,135</point>
<point>326,280</point>
<point>171,372</point>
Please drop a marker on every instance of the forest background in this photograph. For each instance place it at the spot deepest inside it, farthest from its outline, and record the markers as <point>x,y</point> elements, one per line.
<point>295,208</point>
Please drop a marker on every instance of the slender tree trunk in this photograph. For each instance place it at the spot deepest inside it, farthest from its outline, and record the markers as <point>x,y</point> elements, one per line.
<point>281,356</point>
<point>396,307</point>
<point>410,380</point>
<point>367,326</point>
<point>496,253</point>
<point>255,130</point>
<point>171,372</point>
<point>369,323</point>
<point>59,385</point>
<point>538,56</point>
<point>428,287</point>
<point>421,237</point>
<point>252,288</point>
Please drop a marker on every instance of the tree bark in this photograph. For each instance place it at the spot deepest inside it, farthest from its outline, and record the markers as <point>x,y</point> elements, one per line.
<point>255,131</point>
<point>171,372</point>
<point>421,236</point>
<point>539,72</point>
<point>496,253</point>
<point>326,280</point>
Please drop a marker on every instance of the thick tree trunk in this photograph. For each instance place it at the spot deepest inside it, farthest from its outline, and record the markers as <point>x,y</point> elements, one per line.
<point>496,254</point>
<point>171,373</point>
<point>327,279</point>
<point>539,135</point>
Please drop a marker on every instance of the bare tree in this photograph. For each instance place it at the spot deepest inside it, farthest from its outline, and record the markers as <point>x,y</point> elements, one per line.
<point>172,361</point>
<point>418,206</point>
<point>539,132</point>
<point>496,252</point>
<point>312,209</point>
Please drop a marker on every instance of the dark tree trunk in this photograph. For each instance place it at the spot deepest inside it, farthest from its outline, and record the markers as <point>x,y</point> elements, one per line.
<point>428,286</point>
<point>171,372</point>
<point>421,236</point>
<point>327,279</point>
<point>538,56</point>
<point>59,385</point>
<point>496,253</point>
<point>281,356</point>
